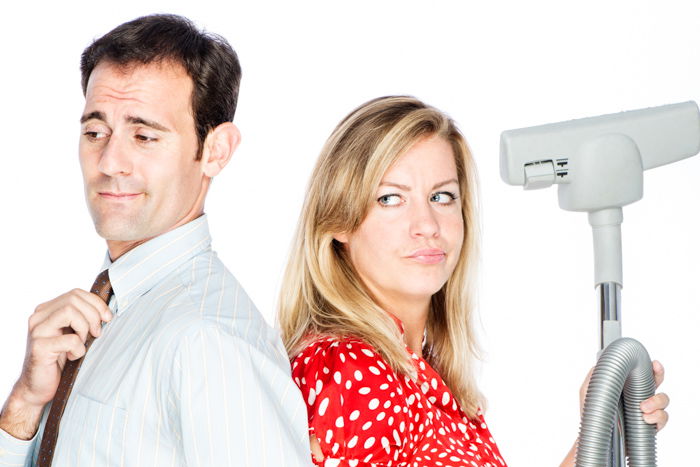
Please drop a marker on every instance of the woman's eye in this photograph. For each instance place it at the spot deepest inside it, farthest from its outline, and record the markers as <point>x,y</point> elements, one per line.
<point>443,197</point>
<point>389,200</point>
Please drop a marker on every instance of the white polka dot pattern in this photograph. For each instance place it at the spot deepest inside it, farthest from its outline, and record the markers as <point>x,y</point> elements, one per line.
<point>365,415</point>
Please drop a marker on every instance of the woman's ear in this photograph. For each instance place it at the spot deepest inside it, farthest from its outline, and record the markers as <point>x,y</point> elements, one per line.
<point>342,237</point>
<point>219,146</point>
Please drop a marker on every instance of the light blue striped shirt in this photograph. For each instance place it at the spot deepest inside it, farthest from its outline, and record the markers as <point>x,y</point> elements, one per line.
<point>186,373</point>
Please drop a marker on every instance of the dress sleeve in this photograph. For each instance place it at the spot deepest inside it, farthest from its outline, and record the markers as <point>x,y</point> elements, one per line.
<point>357,408</point>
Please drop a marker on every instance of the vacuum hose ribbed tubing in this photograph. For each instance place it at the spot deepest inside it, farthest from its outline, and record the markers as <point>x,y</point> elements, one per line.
<point>625,369</point>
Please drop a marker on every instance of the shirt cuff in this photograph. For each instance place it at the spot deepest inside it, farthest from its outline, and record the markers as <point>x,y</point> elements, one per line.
<point>15,452</point>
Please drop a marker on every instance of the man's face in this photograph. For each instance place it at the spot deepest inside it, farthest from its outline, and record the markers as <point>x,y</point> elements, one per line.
<point>137,151</point>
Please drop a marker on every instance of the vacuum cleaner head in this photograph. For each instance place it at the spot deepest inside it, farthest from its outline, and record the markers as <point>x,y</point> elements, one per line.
<point>598,161</point>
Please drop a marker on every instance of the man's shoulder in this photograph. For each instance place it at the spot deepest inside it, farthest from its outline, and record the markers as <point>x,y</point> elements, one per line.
<point>209,299</point>
<point>198,341</point>
<point>211,290</point>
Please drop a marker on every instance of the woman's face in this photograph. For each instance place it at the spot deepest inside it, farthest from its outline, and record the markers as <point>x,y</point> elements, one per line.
<point>409,243</point>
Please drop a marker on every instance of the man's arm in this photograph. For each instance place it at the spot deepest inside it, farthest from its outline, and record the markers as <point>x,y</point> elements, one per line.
<point>237,405</point>
<point>15,451</point>
<point>19,417</point>
<point>57,332</point>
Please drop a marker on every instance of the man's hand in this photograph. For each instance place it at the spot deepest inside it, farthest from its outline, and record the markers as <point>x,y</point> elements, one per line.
<point>58,330</point>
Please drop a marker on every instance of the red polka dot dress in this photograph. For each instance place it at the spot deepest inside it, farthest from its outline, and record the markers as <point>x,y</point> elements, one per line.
<point>364,414</point>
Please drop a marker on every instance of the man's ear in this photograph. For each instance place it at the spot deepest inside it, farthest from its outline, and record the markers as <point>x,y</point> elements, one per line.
<point>219,146</point>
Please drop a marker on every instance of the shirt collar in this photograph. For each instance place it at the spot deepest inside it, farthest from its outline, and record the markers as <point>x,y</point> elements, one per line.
<point>402,329</point>
<point>139,270</point>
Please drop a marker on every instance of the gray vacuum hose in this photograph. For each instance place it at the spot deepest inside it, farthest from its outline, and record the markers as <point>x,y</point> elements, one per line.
<point>623,368</point>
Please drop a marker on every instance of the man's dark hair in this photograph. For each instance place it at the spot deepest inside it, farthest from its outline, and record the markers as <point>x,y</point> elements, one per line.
<point>208,59</point>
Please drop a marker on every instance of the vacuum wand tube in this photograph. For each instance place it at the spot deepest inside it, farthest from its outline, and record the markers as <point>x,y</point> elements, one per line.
<point>598,165</point>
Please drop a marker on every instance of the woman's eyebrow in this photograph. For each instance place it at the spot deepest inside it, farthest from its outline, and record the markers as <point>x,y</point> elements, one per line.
<point>408,188</point>
<point>446,182</point>
<point>396,185</point>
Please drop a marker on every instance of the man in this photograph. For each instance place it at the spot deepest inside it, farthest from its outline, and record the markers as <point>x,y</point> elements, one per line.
<point>183,369</point>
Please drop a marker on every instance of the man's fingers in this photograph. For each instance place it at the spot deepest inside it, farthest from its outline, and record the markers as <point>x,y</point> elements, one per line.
<point>61,313</point>
<point>50,348</point>
<point>66,317</point>
<point>71,345</point>
<point>99,304</point>
<point>91,306</point>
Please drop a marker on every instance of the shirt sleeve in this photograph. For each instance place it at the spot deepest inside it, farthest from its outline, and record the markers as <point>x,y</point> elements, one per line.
<point>16,452</point>
<point>237,405</point>
<point>356,406</point>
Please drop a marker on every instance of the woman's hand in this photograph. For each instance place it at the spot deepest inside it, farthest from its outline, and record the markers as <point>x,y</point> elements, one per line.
<point>653,409</point>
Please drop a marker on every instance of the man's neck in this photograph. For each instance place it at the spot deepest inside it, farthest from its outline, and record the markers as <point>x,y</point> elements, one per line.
<point>118,248</point>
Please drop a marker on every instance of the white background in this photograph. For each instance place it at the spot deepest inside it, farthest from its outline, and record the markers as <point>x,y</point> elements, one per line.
<point>492,66</point>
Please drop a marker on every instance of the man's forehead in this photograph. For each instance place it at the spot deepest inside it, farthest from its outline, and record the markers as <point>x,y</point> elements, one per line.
<point>135,77</point>
<point>162,87</point>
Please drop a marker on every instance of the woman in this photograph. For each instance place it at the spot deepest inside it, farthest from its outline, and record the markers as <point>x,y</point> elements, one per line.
<point>376,302</point>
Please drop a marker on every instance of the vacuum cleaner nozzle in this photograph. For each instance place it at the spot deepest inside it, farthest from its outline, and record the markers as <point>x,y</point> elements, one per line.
<point>598,161</point>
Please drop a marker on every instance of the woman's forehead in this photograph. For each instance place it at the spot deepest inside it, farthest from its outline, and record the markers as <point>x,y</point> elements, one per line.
<point>428,161</point>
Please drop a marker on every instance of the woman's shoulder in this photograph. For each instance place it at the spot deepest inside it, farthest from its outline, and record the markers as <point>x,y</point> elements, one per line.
<point>346,363</point>
<point>357,405</point>
<point>341,346</point>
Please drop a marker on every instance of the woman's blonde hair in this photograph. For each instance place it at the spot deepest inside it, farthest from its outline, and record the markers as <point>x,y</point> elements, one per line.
<point>322,294</point>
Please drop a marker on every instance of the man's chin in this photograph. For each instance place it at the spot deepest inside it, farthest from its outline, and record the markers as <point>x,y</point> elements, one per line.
<point>119,231</point>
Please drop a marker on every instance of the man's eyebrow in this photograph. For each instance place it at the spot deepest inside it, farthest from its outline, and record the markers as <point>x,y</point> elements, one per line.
<point>96,114</point>
<point>149,123</point>
<point>408,188</point>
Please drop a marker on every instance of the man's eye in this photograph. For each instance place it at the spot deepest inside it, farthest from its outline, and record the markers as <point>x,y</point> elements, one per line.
<point>95,135</point>
<point>145,138</point>
<point>443,197</point>
<point>389,200</point>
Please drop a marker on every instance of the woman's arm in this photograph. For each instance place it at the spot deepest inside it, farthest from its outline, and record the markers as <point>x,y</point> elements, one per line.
<point>569,459</point>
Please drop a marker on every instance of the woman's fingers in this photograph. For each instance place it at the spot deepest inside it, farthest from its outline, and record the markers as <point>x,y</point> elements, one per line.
<point>656,402</point>
<point>654,410</point>
<point>659,372</point>
<point>660,418</point>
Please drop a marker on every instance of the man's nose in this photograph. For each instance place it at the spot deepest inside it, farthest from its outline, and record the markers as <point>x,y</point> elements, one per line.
<point>115,159</point>
<point>424,222</point>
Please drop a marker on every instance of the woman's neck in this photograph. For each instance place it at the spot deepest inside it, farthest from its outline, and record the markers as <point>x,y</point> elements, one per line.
<point>414,316</point>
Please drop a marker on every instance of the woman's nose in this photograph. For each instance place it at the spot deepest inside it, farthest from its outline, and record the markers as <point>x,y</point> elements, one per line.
<point>424,222</point>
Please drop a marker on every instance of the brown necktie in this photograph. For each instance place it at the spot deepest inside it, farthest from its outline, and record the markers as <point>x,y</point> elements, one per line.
<point>103,289</point>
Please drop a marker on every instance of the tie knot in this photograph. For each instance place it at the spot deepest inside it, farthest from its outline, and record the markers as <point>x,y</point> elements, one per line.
<point>102,287</point>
